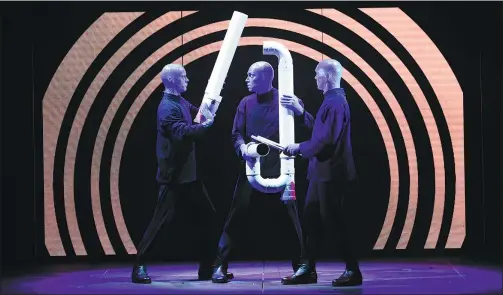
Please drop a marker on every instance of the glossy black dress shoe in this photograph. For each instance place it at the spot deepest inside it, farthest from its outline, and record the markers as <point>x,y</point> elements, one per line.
<point>139,275</point>
<point>220,275</point>
<point>348,279</point>
<point>303,275</point>
<point>207,275</point>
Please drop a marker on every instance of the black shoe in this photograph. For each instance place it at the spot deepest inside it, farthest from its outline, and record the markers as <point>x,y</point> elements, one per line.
<point>220,275</point>
<point>305,274</point>
<point>204,275</point>
<point>139,275</point>
<point>348,279</point>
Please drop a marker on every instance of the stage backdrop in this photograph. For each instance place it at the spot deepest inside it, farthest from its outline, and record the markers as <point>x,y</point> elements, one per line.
<point>99,112</point>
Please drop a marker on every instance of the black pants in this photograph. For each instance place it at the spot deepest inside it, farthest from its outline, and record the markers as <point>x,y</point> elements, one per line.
<point>236,220</point>
<point>324,214</point>
<point>203,211</point>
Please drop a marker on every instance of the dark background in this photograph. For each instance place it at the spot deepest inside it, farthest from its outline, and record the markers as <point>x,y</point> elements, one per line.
<point>35,37</point>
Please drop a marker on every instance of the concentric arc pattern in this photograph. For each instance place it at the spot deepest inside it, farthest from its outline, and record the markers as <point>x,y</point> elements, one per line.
<point>80,57</point>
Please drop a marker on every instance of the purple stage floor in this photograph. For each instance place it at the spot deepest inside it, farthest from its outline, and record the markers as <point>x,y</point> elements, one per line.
<point>380,277</point>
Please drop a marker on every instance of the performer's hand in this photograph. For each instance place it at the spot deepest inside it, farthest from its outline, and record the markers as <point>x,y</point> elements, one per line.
<point>292,150</point>
<point>292,103</point>
<point>209,118</point>
<point>206,111</point>
<point>244,153</point>
<point>207,123</point>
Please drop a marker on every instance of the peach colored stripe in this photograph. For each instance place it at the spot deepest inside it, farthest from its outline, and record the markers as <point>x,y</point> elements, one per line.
<point>397,110</point>
<point>80,118</point>
<point>449,94</point>
<point>188,12</point>
<point>246,41</point>
<point>55,103</point>
<point>254,22</point>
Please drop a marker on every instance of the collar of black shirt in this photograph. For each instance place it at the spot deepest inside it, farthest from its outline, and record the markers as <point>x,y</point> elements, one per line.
<point>172,97</point>
<point>335,92</point>
<point>266,97</point>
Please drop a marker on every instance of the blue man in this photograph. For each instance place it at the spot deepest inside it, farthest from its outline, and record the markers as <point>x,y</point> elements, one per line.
<point>331,169</point>
<point>257,114</point>
<point>177,175</point>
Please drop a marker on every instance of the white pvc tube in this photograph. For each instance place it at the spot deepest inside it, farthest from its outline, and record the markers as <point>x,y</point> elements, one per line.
<point>265,185</point>
<point>221,68</point>
<point>286,181</point>
<point>257,150</point>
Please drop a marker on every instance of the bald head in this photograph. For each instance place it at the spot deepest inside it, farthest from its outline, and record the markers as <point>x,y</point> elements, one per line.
<point>328,74</point>
<point>263,68</point>
<point>332,68</point>
<point>174,78</point>
<point>260,77</point>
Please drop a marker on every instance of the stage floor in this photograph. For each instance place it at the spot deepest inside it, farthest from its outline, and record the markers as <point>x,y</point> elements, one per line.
<point>380,277</point>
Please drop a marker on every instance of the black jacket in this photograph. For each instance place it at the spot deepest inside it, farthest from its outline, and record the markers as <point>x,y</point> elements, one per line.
<point>175,147</point>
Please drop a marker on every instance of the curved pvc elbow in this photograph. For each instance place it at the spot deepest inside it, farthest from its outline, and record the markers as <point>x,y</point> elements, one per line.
<point>277,49</point>
<point>265,185</point>
<point>268,185</point>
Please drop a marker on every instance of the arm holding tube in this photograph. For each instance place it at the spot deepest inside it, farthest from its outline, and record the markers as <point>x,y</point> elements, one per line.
<point>305,120</point>
<point>171,122</point>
